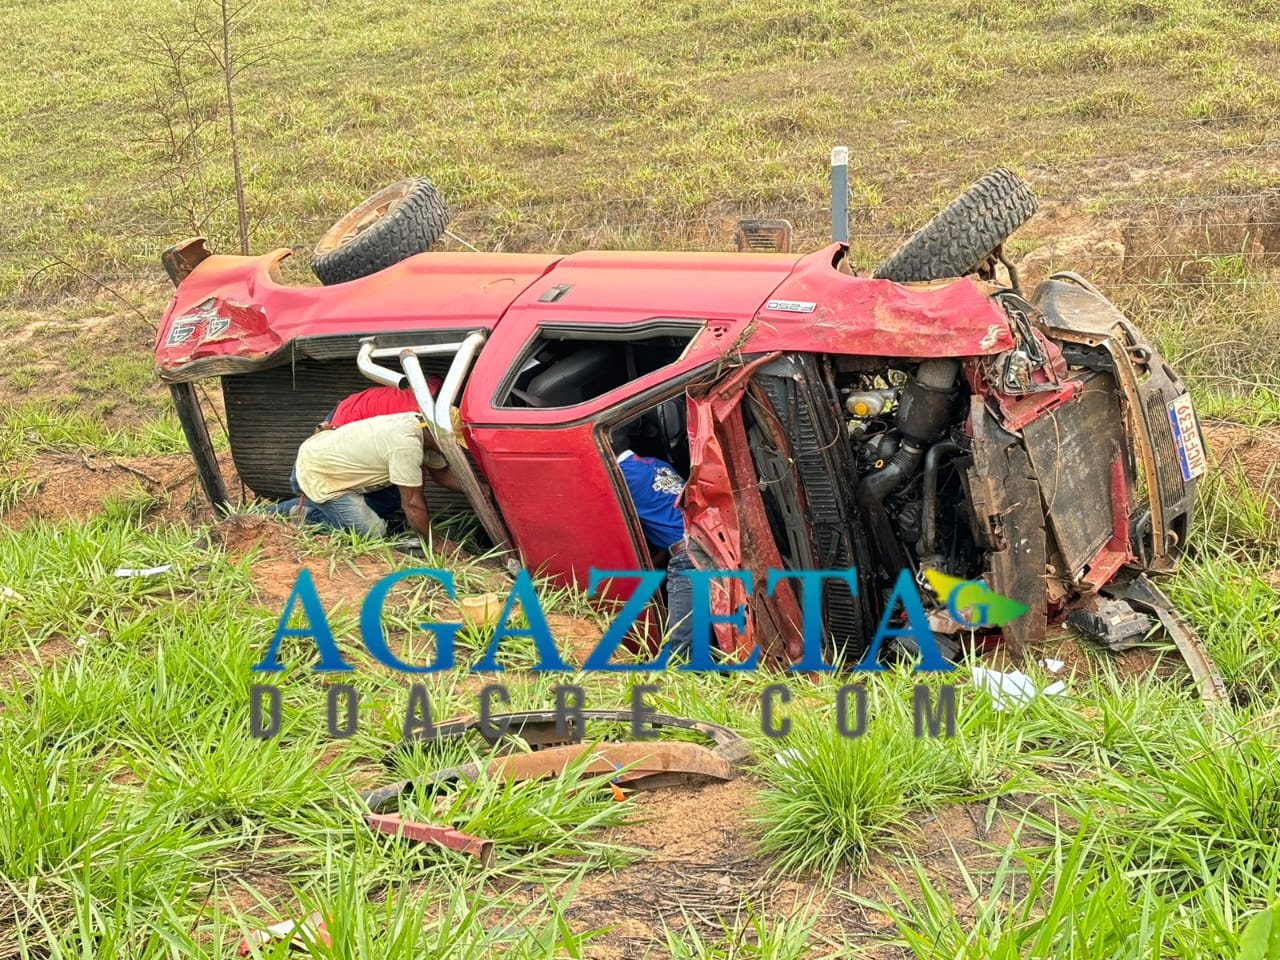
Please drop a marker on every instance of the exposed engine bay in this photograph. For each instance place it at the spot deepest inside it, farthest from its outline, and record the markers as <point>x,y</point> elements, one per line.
<point>906,428</point>
<point>1025,470</point>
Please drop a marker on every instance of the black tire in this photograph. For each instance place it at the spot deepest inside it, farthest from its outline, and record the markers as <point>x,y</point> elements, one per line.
<point>398,221</point>
<point>959,238</point>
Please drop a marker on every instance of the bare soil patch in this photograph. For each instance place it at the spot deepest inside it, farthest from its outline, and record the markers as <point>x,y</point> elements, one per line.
<point>63,357</point>
<point>703,871</point>
<point>1185,240</point>
<point>78,487</point>
<point>1068,238</point>
<point>1253,450</point>
<point>574,636</point>
<point>280,557</point>
<point>697,862</point>
<point>19,667</point>
<point>1082,658</point>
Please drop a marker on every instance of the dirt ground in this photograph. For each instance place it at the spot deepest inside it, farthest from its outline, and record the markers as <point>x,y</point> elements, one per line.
<point>700,871</point>
<point>699,868</point>
<point>1255,451</point>
<point>75,486</point>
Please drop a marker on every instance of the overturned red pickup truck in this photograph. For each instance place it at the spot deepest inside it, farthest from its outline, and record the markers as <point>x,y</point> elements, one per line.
<point>925,416</point>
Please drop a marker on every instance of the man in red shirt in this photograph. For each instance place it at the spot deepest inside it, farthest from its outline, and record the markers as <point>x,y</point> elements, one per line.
<point>380,401</point>
<point>377,402</point>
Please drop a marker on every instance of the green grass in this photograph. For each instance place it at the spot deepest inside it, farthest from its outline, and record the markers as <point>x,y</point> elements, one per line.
<point>138,817</point>
<point>755,936</point>
<point>832,801</point>
<point>35,426</point>
<point>1160,847</point>
<point>131,746</point>
<point>1073,899</point>
<point>1221,335</point>
<point>620,124</point>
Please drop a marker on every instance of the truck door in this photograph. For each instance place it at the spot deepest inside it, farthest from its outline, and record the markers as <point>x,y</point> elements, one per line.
<point>538,409</point>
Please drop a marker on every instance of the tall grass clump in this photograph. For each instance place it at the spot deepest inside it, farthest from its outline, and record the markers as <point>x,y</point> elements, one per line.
<point>1070,901</point>
<point>833,801</point>
<point>1202,808</point>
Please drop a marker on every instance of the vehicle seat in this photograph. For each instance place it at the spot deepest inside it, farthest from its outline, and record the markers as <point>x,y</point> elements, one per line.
<point>666,423</point>
<point>583,374</point>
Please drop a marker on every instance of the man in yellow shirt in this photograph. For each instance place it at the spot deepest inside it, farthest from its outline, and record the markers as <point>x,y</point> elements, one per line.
<point>335,468</point>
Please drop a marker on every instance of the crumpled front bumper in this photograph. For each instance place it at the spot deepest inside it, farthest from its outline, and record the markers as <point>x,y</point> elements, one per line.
<point>1159,419</point>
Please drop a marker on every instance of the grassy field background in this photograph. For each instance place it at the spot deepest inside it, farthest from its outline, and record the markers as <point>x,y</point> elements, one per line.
<point>564,124</point>
<point>137,816</point>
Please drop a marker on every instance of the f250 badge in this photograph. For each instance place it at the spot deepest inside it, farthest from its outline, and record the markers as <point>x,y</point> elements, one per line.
<point>185,326</point>
<point>791,306</point>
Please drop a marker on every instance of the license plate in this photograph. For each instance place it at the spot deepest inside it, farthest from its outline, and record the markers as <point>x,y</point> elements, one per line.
<point>1186,434</point>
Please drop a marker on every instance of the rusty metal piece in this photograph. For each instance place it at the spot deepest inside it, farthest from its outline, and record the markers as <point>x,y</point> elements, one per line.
<point>1143,595</point>
<point>659,763</point>
<point>1011,522</point>
<point>644,759</point>
<point>651,764</point>
<point>393,825</point>
<point>302,933</point>
<point>180,259</point>
<point>763,236</point>
<point>539,728</point>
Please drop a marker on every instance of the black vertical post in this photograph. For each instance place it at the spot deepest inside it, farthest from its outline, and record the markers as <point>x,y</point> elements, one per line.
<point>187,405</point>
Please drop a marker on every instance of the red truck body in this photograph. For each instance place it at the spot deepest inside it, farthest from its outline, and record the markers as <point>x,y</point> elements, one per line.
<point>691,329</point>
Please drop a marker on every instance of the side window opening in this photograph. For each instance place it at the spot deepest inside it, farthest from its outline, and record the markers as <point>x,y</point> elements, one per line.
<point>566,368</point>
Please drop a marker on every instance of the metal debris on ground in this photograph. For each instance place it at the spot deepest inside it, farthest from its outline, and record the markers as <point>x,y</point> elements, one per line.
<point>1113,623</point>
<point>1146,597</point>
<point>642,765</point>
<point>393,825</point>
<point>653,763</point>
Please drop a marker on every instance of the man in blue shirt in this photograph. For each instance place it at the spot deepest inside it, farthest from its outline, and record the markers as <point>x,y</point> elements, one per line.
<point>655,489</point>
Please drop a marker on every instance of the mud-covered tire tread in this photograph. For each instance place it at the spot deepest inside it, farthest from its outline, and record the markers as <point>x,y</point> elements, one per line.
<point>964,233</point>
<point>416,222</point>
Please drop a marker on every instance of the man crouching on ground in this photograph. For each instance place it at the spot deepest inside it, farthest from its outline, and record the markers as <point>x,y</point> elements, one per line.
<point>335,468</point>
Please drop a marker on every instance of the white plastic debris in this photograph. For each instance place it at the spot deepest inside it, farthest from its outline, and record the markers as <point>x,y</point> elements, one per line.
<point>789,761</point>
<point>786,756</point>
<point>144,572</point>
<point>1012,688</point>
<point>303,934</point>
<point>1053,666</point>
<point>8,593</point>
